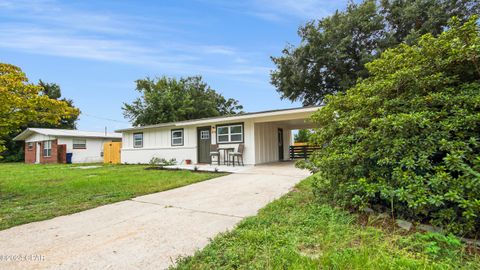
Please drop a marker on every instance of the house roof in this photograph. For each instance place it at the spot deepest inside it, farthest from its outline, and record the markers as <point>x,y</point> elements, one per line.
<point>233,117</point>
<point>65,133</point>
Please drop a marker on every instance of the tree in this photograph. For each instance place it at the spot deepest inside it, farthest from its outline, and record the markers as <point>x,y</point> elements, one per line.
<point>168,100</point>
<point>22,102</point>
<point>302,136</point>
<point>333,51</point>
<point>407,138</point>
<point>53,91</point>
<point>14,150</point>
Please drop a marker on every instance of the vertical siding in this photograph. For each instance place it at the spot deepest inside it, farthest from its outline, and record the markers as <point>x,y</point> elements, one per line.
<point>266,142</point>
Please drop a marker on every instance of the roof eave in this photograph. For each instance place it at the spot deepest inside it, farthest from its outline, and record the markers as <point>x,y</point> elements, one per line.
<point>220,119</point>
<point>22,136</point>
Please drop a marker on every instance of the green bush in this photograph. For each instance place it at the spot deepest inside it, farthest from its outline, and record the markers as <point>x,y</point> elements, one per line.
<point>408,137</point>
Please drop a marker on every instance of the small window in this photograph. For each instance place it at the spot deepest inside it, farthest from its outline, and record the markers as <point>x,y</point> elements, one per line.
<point>47,148</point>
<point>230,133</point>
<point>138,140</point>
<point>177,137</point>
<point>204,134</point>
<point>30,146</point>
<point>79,144</point>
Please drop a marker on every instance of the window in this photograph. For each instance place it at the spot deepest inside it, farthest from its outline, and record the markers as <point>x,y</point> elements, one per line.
<point>137,140</point>
<point>230,134</point>
<point>177,137</point>
<point>30,146</point>
<point>204,134</point>
<point>79,144</point>
<point>47,148</point>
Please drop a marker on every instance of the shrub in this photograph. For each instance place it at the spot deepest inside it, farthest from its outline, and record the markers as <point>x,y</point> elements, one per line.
<point>408,137</point>
<point>155,161</point>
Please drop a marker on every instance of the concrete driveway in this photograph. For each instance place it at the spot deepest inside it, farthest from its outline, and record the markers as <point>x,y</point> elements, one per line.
<point>147,232</point>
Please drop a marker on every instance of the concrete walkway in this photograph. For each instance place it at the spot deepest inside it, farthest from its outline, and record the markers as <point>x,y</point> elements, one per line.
<point>147,232</point>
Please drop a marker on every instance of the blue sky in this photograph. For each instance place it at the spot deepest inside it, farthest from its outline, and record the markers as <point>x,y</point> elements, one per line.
<point>95,50</point>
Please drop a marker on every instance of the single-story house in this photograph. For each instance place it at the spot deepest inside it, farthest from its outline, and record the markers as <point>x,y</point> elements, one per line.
<point>265,135</point>
<point>48,145</point>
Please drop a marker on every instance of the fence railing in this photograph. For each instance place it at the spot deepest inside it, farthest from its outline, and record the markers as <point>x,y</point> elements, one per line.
<point>301,151</point>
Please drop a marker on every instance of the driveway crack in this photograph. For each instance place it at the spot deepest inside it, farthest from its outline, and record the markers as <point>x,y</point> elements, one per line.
<point>188,209</point>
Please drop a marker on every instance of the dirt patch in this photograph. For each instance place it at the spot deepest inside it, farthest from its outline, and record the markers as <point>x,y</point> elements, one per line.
<point>310,250</point>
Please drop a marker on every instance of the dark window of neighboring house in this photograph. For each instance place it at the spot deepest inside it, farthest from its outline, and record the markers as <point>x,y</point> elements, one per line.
<point>30,146</point>
<point>47,148</point>
<point>177,137</point>
<point>138,140</point>
<point>232,133</point>
<point>79,144</point>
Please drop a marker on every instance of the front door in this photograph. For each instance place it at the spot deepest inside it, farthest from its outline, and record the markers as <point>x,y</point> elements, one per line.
<point>204,141</point>
<point>280,144</point>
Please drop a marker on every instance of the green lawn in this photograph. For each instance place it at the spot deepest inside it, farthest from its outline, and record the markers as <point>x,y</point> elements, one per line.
<point>296,232</point>
<point>37,192</point>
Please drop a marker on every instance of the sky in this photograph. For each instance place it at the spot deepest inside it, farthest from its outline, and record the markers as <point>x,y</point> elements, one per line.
<point>95,50</point>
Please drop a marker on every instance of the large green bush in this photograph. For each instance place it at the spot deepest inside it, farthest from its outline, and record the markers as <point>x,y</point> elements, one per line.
<point>408,137</point>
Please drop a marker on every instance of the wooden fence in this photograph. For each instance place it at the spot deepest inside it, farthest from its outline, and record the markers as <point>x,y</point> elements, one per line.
<point>111,152</point>
<point>301,151</point>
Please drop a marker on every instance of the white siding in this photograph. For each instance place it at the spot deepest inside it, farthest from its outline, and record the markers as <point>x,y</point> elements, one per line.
<point>266,142</point>
<point>92,153</point>
<point>157,143</point>
<point>39,138</point>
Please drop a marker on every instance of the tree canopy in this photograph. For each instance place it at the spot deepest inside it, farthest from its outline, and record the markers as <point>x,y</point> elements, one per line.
<point>22,102</point>
<point>303,136</point>
<point>407,139</point>
<point>333,51</point>
<point>53,91</point>
<point>168,99</point>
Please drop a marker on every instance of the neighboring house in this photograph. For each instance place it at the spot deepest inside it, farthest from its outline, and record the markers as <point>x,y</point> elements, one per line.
<point>47,145</point>
<point>265,135</point>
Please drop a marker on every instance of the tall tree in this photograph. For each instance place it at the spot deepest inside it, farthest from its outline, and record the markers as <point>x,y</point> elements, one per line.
<point>53,91</point>
<point>22,102</point>
<point>303,136</point>
<point>168,99</point>
<point>333,51</point>
<point>13,151</point>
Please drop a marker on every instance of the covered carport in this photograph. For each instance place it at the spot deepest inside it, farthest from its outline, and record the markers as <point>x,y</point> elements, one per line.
<point>273,136</point>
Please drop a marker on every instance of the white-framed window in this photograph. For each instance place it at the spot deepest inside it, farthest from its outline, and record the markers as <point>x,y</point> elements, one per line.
<point>79,143</point>
<point>47,148</point>
<point>177,137</point>
<point>138,140</point>
<point>230,133</point>
<point>204,134</point>
<point>30,146</point>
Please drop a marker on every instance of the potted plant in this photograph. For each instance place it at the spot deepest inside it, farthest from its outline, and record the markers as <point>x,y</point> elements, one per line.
<point>188,161</point>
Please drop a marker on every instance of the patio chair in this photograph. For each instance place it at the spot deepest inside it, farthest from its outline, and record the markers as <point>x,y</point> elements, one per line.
<point>214,152</point>
<point>238,154</point>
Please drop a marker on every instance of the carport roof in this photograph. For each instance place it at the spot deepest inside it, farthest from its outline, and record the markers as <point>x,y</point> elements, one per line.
<point>234,117</point>
<point>65,133</point>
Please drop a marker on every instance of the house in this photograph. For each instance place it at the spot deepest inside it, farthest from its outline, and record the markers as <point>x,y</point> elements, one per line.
<point>47,145</point>
<point>266,136</point>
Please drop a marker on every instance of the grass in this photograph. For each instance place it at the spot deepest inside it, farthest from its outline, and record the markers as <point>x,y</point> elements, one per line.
<point>37,192</point>
<point>297,232</point>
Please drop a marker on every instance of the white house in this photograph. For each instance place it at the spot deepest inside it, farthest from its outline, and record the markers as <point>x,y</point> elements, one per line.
<point>265,135</point>
<point>47,145</point>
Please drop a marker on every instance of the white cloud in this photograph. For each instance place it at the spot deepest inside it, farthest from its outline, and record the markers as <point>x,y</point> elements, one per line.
<point>49,28</point>
<point>305,9</point>
<point>281,10</point>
